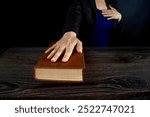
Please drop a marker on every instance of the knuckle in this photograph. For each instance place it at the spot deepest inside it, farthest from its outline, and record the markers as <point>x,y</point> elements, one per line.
<point>69,46</point>
<point>55,56</point>
<point>59,51</point>
<point>66,57</point>
<point>51,53</point>
<point>68,52</point>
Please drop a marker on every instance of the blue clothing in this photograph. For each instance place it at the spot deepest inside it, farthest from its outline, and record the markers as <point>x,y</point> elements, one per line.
<point>101,32</point>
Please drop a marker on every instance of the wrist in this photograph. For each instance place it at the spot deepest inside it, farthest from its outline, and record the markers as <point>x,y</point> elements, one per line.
<point>70,34</point>
<point>120,17</point>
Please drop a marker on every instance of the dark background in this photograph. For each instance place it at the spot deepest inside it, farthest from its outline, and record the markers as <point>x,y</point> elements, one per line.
<point>136,22</point>
<point>26,23</point>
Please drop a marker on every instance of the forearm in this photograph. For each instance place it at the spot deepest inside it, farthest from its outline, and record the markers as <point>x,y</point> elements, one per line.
<point>73,18</point>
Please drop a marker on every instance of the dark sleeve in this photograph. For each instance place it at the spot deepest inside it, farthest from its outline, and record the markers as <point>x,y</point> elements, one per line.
<point>116,32</point>
<point>114,4</point>
<point>73,18</point>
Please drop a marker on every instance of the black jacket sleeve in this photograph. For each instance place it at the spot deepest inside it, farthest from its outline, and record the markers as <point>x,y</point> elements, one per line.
<point>73,17</point>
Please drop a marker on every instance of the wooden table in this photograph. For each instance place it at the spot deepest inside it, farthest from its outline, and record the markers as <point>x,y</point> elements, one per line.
<point>111,73</point>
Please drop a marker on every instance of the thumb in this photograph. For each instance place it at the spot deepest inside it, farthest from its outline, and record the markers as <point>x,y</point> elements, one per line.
<point>79,46</point>
<point>111,7</point>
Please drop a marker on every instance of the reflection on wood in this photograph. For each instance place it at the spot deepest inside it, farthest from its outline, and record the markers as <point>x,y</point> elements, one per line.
<point>113,73</point>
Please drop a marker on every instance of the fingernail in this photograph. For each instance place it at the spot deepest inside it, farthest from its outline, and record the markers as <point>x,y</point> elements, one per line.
<point>64,60</point>
<point>48,57</point>
<point>45,51</point>
<point>80,51</point>
<point>53,59</point>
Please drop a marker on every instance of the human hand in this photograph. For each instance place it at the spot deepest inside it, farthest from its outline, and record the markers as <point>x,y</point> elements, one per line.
<point>65,45</point>
<point>111,13</point>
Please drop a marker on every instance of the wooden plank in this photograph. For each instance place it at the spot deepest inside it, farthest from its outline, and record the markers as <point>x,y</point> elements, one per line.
<point>112,73</point>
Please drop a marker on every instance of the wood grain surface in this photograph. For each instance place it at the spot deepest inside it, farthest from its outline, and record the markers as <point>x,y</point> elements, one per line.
<point>111,73</point>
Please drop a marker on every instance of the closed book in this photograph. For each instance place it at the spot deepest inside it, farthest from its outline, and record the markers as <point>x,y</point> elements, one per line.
<point>72,70</point>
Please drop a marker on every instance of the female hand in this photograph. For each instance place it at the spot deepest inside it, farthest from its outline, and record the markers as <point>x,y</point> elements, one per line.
<point>65,45</point>
<point>111,13</point>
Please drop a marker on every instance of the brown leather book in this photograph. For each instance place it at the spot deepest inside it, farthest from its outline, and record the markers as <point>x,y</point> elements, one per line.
<point>72,70</point>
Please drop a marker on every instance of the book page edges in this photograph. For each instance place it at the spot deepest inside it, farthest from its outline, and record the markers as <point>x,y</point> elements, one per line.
<point>63,75</point>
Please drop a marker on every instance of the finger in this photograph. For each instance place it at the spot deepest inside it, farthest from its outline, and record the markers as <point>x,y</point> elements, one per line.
<point>110,18</point>
<point>49,49</point>
<point>57,54</point>
<point>104,10</point>
<point>52,53</point>
<point>104,13</point>
<point>107,12</point>
<point>68,53</point>
<point>107,15</point>
<point>79,46</point>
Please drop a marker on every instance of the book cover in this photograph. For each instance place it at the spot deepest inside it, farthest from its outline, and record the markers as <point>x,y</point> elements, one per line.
<point>72,70</point>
